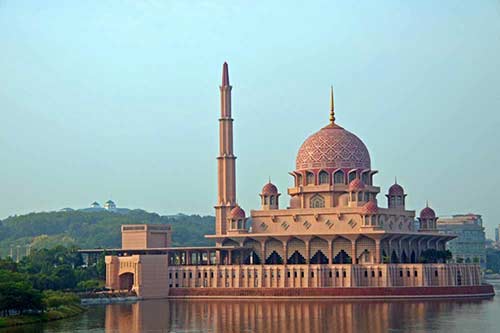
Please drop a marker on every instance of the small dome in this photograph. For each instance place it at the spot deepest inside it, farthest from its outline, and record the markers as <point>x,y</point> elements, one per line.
<point>370,208</point>
<point>356,185</point>
<point>237,213</point>
<point>427,213</point>
<point>396,189</point>
<point>269,188</point>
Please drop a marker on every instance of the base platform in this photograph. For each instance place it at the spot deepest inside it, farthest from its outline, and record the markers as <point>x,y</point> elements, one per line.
<point>482,291</point>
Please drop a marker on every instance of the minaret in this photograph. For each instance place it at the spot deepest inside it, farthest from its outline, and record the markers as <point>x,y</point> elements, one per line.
<point>226,168</point>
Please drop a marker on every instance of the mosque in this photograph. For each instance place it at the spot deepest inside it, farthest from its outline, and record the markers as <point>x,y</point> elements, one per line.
<point>333,238</point>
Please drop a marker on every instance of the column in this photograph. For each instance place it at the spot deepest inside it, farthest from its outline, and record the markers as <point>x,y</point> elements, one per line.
<point>377,252</point>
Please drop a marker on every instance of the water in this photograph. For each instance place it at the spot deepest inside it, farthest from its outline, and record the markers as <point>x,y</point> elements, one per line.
<point>283,316</point>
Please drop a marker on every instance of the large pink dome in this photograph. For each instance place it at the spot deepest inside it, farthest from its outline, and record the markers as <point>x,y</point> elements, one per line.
<point>333,147</point>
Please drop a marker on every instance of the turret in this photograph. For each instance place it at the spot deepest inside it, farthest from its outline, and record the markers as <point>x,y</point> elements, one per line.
<point>396,197</point>
<point>427,219</point>
<point>269,197</point>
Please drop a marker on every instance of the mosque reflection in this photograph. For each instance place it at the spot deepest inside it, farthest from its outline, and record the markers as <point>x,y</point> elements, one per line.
<point>275,316</point>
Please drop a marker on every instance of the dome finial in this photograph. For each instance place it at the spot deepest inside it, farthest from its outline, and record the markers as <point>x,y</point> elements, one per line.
<point>426,203</point>
<point>395,179</point>
<point>332,107</point>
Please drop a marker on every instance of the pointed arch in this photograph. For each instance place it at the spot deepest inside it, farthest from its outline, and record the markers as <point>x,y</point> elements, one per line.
<point>413,257</point>
<point>274,259</point>
<point>339,177</point>
<point>296,245</point>
<point>309,178</point>
<point>317,201</point>
<point>255,254</point>
<point>404,257</point>
<point>296,259</point>
<point>316,245</point>
<point>319,258</point>
<point>342,258</point>
<point>274,252</point>
<point>394,257</point>
<point>342,244</point>
<point>324,177</point>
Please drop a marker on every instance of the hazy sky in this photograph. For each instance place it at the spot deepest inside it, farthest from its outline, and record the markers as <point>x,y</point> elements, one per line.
<point>119,99</point>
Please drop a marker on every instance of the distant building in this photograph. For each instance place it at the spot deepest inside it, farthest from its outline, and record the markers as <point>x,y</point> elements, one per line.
<point>110,205</point>
<point>95,204</point>
<point>470,244</point>
<point>497,234</point>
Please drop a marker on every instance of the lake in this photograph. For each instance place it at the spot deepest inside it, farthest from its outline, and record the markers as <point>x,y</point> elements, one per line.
<point>283,316</point>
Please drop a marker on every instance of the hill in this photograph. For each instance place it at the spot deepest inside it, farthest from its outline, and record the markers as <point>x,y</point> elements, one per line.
<point>95,229</point>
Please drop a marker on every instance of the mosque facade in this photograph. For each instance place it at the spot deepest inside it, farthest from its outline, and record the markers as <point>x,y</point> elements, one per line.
<point>333,238</point>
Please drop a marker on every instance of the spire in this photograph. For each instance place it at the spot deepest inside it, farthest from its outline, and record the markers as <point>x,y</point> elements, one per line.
<point>395,179</point>
<point>225,75</point>
<point>332,107</point>
<point>427,203</point>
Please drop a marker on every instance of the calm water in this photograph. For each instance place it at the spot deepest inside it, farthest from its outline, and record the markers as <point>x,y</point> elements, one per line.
<point>283,316</point>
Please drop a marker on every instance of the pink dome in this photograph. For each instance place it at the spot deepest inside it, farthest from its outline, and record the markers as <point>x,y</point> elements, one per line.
<point>356,185</point>
<point>427,213</point>
<point>370,208</point>
<point>396,189</point>
<point>237,213</point>
<point>269,188</point>
<point>333,147</point>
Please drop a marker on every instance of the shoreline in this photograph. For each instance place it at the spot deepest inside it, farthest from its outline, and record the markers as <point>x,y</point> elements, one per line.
<point>62,312</point>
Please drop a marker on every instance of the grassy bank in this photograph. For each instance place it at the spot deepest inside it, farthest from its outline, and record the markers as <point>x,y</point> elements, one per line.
<point>61,312</point>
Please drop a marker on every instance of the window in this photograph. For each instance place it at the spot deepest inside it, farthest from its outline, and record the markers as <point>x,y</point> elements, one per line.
<point>415,274</point>
<point>265,200</point>
<point>367,196</point>
<point>324,178</point>
<point>373,274</point>
<point>364,177</point>
<point>344,274</point>
<point>299,180</point>
<point>337,274</point>
<point>338,177</point>
<point>310,178</point>
<point>360,196</point>
<point>379,273</point>
<point>271,200</point>
<point>352,176</point>
<point>317,201</point>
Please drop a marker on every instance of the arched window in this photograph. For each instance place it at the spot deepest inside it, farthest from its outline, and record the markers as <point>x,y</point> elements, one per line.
<point>367,196</point>
<point>265,200</point>
<point>364,177</point>
<point>271,200</point>
<point>317,201</point>
<point>352,176</point>
<point>360,196</point>
<point>310,178</point>
<point>338,177</point>
<point>324,177</point>
<point>299,180</point>
<point>240,224</point>
<point>399,200</point>
<point>374,220</point>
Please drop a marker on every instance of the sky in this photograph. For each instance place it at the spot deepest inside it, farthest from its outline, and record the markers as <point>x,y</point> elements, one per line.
<point>119,99</point>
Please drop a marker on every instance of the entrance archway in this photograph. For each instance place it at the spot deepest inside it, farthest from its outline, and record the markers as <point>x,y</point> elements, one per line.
<point>126,281</point>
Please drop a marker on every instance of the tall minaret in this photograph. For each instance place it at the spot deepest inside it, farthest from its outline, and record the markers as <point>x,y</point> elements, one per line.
<point>226,169</point>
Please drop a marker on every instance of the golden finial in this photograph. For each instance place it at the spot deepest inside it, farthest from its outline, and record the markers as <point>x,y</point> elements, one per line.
<point>332,107</point>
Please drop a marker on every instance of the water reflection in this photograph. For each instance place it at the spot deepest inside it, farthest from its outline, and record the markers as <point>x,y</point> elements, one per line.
<point>282,316</point>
